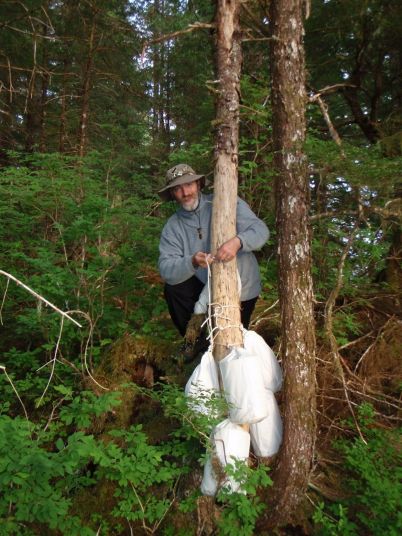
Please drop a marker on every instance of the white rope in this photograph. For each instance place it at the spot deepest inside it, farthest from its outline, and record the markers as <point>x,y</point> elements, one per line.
<point>219,308</point>
<point>209,316</point>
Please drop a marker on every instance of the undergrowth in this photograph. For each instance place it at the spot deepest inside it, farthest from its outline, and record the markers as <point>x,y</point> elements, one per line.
<point>372,482</point>
<point>50,469</point>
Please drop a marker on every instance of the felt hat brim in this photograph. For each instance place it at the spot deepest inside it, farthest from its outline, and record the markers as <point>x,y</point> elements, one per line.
<point>165,193</point>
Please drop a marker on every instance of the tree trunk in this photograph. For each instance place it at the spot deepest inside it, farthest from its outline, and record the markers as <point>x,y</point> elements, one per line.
<point>367,124</point>
<point>32,107</point>
<point>369,128</point>
<point>86,90</point>
<point>294,250</point>
<point>44,91</point>
<point>63,109</point>
<point>160,88</point>
<point>42,120</point>
<point>223,226</point>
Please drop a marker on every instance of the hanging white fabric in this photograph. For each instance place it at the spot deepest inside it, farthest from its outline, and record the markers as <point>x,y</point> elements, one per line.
<point>229,443</point>
<point>270,368</point>
<point>244,386</point>
<point>266,435</point>
<point>201,305</point>
<point>203,384</point>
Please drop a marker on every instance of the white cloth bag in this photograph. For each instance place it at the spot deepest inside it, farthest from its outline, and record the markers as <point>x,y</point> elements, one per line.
<point>229,443</point>
<point>202,384</point>
<point>244,386</point>
<point>201,306</point>
<point>266,435</point>
<point>271,370</point>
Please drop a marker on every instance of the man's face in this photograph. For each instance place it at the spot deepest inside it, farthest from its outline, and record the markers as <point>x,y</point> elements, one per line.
<point>187,194</point>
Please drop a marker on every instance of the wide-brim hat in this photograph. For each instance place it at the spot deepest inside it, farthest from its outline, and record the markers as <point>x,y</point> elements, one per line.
<point>180,174</point>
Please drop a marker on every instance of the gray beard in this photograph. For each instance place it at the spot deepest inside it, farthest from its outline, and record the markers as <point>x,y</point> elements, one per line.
<point>189,207</point>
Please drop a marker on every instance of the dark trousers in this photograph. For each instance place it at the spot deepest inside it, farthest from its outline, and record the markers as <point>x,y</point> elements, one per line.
<point>181,299</point>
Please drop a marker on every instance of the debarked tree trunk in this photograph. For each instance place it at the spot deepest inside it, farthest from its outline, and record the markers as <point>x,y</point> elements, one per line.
<point>225,296</point>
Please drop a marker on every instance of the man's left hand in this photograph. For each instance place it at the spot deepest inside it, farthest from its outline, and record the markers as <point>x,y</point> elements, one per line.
<point>227,252</point>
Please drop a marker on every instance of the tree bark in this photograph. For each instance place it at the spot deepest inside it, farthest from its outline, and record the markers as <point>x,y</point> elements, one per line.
<point>86,90</point>
<point>43,96</point>
<point>63,108</point>
<point>368,127</point>
<point>367,124</point>
<point>223,226</point>
<point>292,471</point>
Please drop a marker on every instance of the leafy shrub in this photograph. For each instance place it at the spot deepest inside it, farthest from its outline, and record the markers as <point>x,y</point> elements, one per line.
<point>46,467</point>
<point>241,510</point>
<point>373,484</point>
<point>36,483</point>
<point>40,472</point>
<point>76,236</point>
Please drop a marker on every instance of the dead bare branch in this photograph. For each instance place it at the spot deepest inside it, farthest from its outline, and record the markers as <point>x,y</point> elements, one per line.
<point>38,296</point>
<point>371,345</point>
<point>54,359</point>
<point>51,416</point>
<point>328,315</point>
<point>381,211</point>
<point>332,130</point>
<point>3,301</point>
<point>254,18</point>
<point>307,9</point>
<point>330,89</point>
<point>10,381</point>
<point>356,341</point>
<point>166,37</point>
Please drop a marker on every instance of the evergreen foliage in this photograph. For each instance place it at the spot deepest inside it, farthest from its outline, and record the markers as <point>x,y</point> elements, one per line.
<point>94,106</point>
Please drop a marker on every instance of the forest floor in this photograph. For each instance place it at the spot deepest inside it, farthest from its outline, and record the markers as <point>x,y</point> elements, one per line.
<point>365,370</point>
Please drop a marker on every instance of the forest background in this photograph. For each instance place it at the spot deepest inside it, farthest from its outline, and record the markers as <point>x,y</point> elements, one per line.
<point>97,99</point>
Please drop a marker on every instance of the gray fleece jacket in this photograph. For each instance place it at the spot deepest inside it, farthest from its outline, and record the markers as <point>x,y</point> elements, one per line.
<point>187,232</point>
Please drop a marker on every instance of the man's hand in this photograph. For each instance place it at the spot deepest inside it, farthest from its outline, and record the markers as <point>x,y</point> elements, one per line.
<point>201,259</point>
<point>228,250</point>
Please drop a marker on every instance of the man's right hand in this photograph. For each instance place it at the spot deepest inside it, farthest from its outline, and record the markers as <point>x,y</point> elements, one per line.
<point>201,259</point>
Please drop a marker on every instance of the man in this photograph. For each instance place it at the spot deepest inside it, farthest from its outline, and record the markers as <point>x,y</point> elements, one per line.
<point>185,250</point>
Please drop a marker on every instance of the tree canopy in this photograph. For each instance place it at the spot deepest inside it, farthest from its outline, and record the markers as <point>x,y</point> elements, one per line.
<point>97,99</point>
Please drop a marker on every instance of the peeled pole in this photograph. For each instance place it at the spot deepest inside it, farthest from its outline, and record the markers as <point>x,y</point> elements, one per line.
<point>225,296</point>
<point>227,330</point>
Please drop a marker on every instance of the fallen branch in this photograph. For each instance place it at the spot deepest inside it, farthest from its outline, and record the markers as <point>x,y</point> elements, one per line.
<point>3,301</point>
<point>379,399</point>
<point>38,296</point>
<point>64,315</point>
<point>10,381</point>
<point>53,361</point>
<point>329,329</point>
<point>379,334</point>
